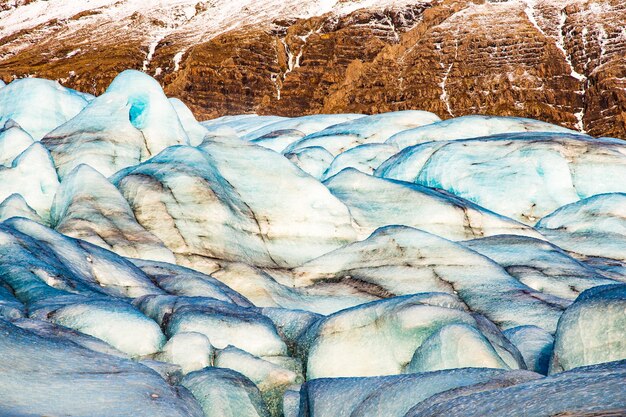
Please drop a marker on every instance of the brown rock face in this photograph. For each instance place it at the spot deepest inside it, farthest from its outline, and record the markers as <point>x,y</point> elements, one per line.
<point>559,61</point>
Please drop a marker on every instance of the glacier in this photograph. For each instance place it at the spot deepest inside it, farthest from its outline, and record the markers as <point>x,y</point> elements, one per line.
<point>324,265</point>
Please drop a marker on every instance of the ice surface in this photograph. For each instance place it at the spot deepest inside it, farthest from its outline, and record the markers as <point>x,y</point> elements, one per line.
<point>38,105</point>
<point>266,291</point>
<point>391,395</point>
<point>225,393</point>
<point>535,345</point>
<point>466,127</point>
<point>15,206</point>
<point>178,280</point>
<point>281,217</point>
<point>521,175</point>
<point>195,131</point>
<point>375,202</point>
<point>101,135</point>
<point>150,111</point>
<point>40,376</point>
<point>241,124</point>
<point>595,226</point>
<point>365,158</point>
<point>215,261</point>
<point>221,322</point>
<point>540,265</point>
<point>13,141</point>
<point>592,330</point>
<point>399,260</point>
<point>191,351</point>
<point>369,129</point>
<point>271,375</point>
<point>69,264</point>
<point>87,206</point>
<point>380,338</point>
<point>313,160</point>
<point>279,139</point>
<point>455,346</point>
<point>588,391</point>
<point>32,175</point>
<point>305,124</point>
<point>117,323</point>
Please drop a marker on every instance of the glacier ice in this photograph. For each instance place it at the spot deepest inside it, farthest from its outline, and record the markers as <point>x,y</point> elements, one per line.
<point>365,158</point>
<point>41,265</point>
<point>117,323</point>
<point>399,260</point>
<point>323,265</point>
<point>88,207</point>
<point>368,129</point>
<point>221,322</point>
<point>272,375</point>
<point>540,265</point>
<point>101,135</point>
<point>524,176</point>
<point>375,202</point>
<point>535,345</point>
<point>39,105</point>
<point>595,226</point>
<point>15,206</point>
<point>393,395</point>
<point>32,175</point>
<point>593,390</point>
<point>592,330</point>
<point>224,392</point>
<point>304,124</point>
<point>455,346</point>
<point>195,131</point>
<point>150,111</point>
<point>13,141</point>
<point>190,350</point>
<point>241,124</point>
<point>313,160</point>
<point>178,280</point>
<point>279,139</point>
<point>381,337</point>
<point>40,376</point>
<point>251,218</point>
<point>264,290</point>
<point>466,127</point>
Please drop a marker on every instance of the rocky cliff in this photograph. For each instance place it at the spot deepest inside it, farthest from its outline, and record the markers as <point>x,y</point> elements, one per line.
<point>562,61</point>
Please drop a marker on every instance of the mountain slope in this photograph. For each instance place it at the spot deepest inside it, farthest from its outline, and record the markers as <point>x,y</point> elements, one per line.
<point>559,61</point>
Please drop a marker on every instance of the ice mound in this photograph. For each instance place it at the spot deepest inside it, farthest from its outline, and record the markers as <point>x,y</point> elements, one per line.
<point>365,158</point>
<point>53,367</point>
<point>87,206</point>
<point>368,129</point>
<point>399,335</point>
<point>150,111</point>
<point>32,175</point>
<point>395,395</point>
<point>304,124</point>
<point>595,226</point>
<point>39,105</point>
<point>520,175</point>
<point>101,135</point>
<point>224,392</point>
<point>540,265</point>
<point>13,141</point>
<point>399,260</point>
<point>324,265</point>
<point>195,201</point>
<point>466,127</point>
<point>376,202</point>
<point>592,330</point>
